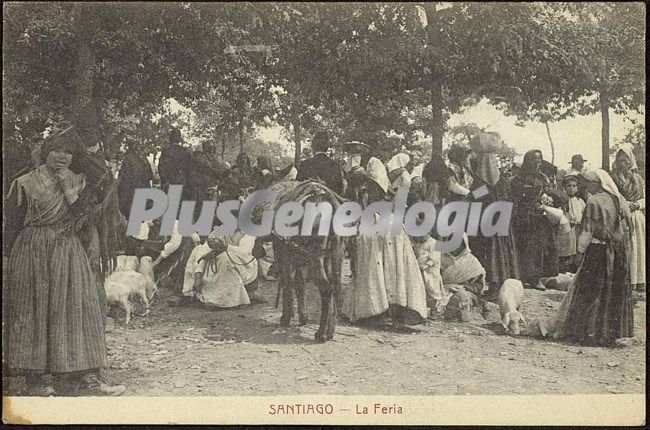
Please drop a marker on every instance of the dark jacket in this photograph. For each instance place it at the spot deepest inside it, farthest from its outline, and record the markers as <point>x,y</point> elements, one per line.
<point>134,173</point>
<point>322,167</point>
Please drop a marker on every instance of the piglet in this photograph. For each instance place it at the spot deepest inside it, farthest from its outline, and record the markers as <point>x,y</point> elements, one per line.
<point>511,296</point>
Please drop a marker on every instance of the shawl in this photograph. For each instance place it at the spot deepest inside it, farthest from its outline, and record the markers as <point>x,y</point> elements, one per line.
<point>377,172</point>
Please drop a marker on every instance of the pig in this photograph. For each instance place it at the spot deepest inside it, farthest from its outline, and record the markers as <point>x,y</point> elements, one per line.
<point>126,263</point>
<point>122,285</point>
<point>511,296</point>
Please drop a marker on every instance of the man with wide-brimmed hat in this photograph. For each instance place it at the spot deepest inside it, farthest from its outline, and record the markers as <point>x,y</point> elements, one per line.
<point>321,165</point>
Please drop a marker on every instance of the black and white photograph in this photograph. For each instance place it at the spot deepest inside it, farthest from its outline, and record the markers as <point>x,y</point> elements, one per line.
<point>457,210</point>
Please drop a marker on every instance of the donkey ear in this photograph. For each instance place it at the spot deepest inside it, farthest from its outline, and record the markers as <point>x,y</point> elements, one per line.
<point>505,321</point>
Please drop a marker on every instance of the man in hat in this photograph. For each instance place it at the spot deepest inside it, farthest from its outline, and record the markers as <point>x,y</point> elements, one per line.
<point>577,168</point>
<point>322,166</point>
<point>577,165</point>
<point>178,165</point>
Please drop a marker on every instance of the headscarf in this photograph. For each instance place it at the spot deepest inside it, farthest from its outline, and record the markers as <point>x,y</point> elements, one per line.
<point>487,168</point>
<point>398,161</point>
<point>630,155</point>
<point>602,177</point>
<point>527,164</point>
<point>377,172</point>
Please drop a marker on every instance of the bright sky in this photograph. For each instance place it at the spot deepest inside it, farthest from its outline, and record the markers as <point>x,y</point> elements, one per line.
<point>578,135</point>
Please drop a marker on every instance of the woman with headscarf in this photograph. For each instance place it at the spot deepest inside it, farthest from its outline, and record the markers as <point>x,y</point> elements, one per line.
<point>460,177</point>
<point>534,232</point>
<point>386,276</point>
<point>625,173</point>
<point>399,171</point>
<point>597,309</point>
<point>418,190</point>
<point>497,254</point>
<point>226,276</point>
<point>52,316</point>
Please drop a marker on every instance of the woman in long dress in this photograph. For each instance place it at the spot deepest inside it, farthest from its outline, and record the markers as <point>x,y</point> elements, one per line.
<point>497,254</point>
<point>597,309</point>
<point>52,316</point>
<point>386,275</point>
<point>535,236</point>
<point>631,185</point>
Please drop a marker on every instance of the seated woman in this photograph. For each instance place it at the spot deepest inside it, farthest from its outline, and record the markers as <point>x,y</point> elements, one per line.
<point>462,268</point>
<point>227,275</point>
<point>386,276</point>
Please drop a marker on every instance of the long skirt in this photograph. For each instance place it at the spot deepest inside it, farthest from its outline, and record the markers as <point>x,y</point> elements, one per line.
<point>599,307</point>
<point>54,322</point>
<point>386,274</point>
<point>537,250</point>
<point>637,249</point>
<point>225,286</point>
<point>498,256</point>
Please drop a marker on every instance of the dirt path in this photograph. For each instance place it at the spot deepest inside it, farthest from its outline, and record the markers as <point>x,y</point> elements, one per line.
<point>194,351</point>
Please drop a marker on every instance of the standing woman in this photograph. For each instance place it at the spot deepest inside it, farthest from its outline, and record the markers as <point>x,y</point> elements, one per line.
<point>399,171</point>
<point>598,307</point>
<point>386,278</point>
<point>631,186</point>
<point>534,233</point>
<point>53,320</point>
<point>497,254</point>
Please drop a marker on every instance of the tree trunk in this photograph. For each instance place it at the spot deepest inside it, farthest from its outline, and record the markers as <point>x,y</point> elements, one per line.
<point>297,138</point>
<point>438,122</point>
<point>84,110</point>
<point>433,33</point>
<point>548,131</point>
<point>223,145</point>
<point>241,136</point>
<point>604,111</point>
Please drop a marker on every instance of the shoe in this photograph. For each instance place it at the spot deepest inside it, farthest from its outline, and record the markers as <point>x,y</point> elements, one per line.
<point>101,389</point>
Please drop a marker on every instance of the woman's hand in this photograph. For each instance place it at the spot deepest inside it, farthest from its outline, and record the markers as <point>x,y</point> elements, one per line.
<point>634,206</point>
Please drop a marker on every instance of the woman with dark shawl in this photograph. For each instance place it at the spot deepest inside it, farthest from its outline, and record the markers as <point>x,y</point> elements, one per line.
<point>597,309</point>
<point>460,177</point>
<point>534,233</point>
<point>497,254</point>
<point>631,186</point>
<point>135,173</point>
<point>52,316</point>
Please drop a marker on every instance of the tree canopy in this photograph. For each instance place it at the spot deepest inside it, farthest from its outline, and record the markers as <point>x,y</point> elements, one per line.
<point>387,74</point>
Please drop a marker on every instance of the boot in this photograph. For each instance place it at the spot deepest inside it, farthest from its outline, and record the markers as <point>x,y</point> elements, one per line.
<point>87,385</point>
<point>38,386</point>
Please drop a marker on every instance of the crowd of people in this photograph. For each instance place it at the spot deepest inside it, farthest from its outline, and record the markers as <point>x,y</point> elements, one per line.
<point>587,222</point>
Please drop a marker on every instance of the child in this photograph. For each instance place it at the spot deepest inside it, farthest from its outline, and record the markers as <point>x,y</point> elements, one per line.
<point>568,242</point>
<point>429,262</point>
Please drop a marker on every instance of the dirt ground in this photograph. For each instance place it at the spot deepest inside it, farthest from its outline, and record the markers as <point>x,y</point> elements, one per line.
<point>194,351</point>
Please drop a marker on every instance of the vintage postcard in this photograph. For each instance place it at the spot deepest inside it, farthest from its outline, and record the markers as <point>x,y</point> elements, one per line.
<point>324,213</point>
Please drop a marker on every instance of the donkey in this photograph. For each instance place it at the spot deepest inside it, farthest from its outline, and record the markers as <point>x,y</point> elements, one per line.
<point>319,259</point>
